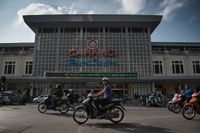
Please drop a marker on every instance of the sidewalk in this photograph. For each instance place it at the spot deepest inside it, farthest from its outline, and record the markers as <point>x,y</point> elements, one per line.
<point>135,103</point>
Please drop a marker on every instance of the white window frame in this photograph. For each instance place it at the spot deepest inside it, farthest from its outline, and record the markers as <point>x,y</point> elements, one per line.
<point>160,67</point>
<point>177,64</point>
<point>28,67</point>
<point>9,68</point>
<point>196,70</point>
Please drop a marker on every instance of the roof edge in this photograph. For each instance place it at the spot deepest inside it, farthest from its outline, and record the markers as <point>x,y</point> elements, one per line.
<point>34,21</point>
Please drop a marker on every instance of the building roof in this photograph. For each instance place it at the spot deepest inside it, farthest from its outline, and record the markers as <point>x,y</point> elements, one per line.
<point>23,44</point>
<point>74,20</point>
<point>189,44</point>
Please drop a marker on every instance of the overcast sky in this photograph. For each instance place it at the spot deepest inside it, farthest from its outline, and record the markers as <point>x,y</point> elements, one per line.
<point>180,22</point>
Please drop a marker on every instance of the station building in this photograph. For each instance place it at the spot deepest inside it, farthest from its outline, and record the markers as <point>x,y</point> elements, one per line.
<point>78,50</point>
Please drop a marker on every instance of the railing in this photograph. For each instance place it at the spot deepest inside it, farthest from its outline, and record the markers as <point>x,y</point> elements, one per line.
<point>15,52</point>
<point>177,52</point>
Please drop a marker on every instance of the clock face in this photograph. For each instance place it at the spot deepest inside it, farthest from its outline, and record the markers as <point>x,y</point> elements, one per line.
<point>92,44</point>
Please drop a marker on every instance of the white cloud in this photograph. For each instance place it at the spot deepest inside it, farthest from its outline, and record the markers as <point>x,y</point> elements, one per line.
<point>18,26</point>
<point>90,12</point>
<point>169,6</point>
<point>131,6</point>
<point>72,9</point>
<point>16,33</point>
<point>38,8</point>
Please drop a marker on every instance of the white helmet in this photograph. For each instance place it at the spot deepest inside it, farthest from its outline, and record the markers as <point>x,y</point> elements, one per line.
<point>105,78</point>
<point>58,85</point>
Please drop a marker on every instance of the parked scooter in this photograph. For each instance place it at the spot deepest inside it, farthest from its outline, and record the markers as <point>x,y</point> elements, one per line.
<point>170,104</point>
<point>113,111</point>
<point>154,100</point>
<point>192,108</point>
<point>62,105</point>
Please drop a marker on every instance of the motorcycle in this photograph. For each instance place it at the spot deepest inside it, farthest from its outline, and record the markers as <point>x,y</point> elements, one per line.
<point>179,103</point>
<point>192,108</point>
<point>62,105</point>
<point>153,101</point>
<point>73,101</point>
<point>170,104</point>
<point>113,111</point>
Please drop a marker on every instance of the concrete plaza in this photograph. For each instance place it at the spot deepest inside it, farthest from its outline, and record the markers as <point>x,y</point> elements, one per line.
<point>26,119</point>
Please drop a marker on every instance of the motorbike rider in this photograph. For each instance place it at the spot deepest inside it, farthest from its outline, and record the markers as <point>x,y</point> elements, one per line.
<point>56,94</point>
<point>188,92</point>
<point>181,90</point>
<point>70,96</point>
<point>107,95</point>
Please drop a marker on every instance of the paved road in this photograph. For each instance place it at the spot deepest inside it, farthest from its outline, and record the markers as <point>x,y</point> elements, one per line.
<point>26,119</point>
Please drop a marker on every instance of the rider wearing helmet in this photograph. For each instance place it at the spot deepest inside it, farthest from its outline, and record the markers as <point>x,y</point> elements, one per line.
<point>107,95</point>
<point>70,95</point>
<point>56,94</point>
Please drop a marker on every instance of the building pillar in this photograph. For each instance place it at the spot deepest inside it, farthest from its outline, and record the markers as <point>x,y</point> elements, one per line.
<point>153,87</point>
<point>80,92</point>
<point>57,49</point>
<point>130,91</point>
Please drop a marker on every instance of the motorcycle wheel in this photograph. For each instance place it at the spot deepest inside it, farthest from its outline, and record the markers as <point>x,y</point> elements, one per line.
<point>147,104</point>
<point>170,106</point>
<point>80,115</point>
<point>176,108</point>
<point>189,112</point>
<point>120,114</point>
<point>42,108</point>
<point>64,108</point>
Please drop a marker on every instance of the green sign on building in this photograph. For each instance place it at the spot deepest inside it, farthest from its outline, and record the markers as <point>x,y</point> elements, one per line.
<point>49,74</point>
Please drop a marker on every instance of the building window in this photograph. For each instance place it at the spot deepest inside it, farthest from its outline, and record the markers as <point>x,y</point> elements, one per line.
<point>9,67</point>
<point>177,67</point>
<point>28,67</point>
<point>196,66</point>
<point>157,67</point>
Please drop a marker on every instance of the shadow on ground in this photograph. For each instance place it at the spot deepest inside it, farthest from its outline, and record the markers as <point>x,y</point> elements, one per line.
<point>59,114</point>
<point>131,127</point>
<point>13,106</point>
<point>16,130</point>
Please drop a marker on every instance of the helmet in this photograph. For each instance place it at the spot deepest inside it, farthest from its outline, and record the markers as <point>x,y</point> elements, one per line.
<point>58,85</point>
<point>105,78</point>
<point>70,90</point>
